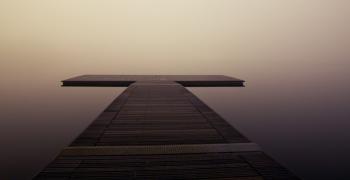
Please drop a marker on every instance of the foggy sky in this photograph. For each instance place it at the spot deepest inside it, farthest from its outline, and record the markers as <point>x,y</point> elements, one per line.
<point>172,37</point>
<point>293,54</point>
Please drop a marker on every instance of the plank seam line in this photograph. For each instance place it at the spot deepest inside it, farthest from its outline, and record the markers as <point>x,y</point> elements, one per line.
<point>160,149</point>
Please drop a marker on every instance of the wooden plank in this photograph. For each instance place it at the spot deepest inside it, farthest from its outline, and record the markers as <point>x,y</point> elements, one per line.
<point>126,80</point>
<point>157,129</point>
<point>170,166</point>
<point>160,149</point>
<point>167,118</point>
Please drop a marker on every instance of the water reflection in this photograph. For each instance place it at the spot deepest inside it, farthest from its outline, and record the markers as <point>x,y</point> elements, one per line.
<point>304,127</point>
<point>37,122</point>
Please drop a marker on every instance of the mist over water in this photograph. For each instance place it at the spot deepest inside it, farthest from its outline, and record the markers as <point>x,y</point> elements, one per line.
<point>294,56</point>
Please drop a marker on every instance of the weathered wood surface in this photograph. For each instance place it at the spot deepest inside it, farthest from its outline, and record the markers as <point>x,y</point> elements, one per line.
<point>126,80</point>
<point>160,130</point>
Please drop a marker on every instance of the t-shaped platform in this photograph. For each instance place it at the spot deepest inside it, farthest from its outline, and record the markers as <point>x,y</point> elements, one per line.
<point>157,129</point>
<point>126,80</point>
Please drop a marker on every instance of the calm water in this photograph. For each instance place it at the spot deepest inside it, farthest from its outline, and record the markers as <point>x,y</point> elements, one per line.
<point>294,55</point>
<point>302,123</point>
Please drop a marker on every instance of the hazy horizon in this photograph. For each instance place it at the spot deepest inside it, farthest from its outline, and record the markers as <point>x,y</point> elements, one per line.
<point>293,54</point>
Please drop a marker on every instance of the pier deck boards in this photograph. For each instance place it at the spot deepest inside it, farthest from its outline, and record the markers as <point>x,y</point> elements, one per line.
<point>126,80</point>
<point>157,129</point>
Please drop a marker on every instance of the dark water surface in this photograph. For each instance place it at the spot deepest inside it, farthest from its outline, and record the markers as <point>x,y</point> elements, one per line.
<point>302,122</point>
<point>293,54</point>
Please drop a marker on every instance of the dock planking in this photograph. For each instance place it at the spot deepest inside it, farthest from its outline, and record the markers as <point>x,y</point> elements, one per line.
<point>157,129</point>
<point>126,80</point>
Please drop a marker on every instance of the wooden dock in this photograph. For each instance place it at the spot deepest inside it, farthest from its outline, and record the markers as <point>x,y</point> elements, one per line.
<point>157,129</point>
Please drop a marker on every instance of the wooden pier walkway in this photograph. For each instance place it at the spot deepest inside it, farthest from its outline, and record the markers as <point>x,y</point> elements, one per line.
<point>157,129</point>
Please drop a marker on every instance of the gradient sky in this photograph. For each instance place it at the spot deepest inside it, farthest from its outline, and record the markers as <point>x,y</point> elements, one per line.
<point>294,55</point>
<point>172,37</point>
